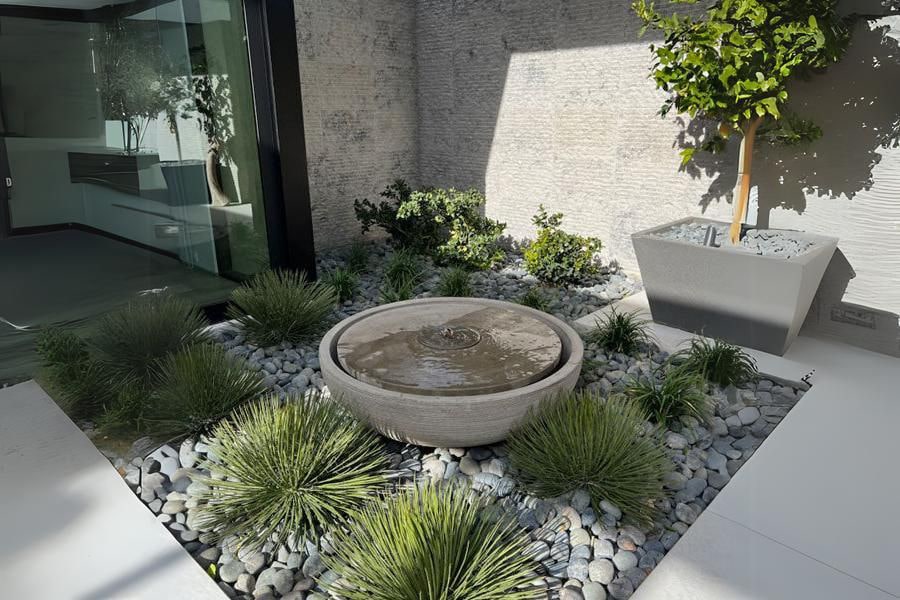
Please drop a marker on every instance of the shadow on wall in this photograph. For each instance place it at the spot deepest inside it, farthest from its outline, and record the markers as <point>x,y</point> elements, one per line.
<point>857,104</point>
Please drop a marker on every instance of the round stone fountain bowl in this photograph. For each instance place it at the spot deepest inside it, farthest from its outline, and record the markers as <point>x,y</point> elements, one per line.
<point>449,372</point>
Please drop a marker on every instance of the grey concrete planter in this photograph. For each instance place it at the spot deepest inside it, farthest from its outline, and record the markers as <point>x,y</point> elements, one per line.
<point>750,300</point>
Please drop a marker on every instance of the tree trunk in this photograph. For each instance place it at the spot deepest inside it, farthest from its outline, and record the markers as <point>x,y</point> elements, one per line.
<point>219,197</point>
<point>745,169</point>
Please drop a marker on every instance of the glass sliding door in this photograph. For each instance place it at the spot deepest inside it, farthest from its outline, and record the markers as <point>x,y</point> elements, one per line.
<point>130,139</point>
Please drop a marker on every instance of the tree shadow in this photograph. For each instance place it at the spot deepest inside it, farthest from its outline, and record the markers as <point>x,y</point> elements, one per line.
<point>859,112</point>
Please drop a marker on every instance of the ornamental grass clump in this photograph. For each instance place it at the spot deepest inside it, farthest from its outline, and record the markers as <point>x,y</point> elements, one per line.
<point>581,440</point>
<point>455,281</point>
<point>402,275</point>
<point>679,393</point>
<point>132,340</point>
<point>293,469</point>
<point>281,306</point>
<point>536,299</point>
<point>197,387</point>
<point>78,382</point>
<point>435,543</point>
<point>344,281</point>
<point>625,333</point>
<point>718,362</point>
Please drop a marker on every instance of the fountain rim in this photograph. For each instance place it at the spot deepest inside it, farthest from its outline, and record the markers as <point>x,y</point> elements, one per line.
<point>571,359</point>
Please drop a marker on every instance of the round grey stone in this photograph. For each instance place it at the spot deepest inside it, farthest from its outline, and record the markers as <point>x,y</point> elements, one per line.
<point>593,591</point>
<point>625,560</point>
<point>601,570</point>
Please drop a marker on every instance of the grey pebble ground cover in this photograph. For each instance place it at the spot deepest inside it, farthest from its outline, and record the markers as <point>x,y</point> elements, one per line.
<point>765,242</point>
<point>584,552</point>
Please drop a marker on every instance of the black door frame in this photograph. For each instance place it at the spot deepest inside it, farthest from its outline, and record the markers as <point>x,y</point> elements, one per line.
<point>281,142</point>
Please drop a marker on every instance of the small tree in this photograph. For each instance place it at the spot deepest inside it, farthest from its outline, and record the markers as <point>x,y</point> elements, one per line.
<point>733,64</point>
<point>132,79</point>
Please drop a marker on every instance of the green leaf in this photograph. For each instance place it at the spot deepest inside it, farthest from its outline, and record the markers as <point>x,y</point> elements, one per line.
<point>687,155</point>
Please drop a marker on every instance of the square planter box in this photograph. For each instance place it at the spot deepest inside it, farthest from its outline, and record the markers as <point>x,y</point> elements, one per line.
<point>746,299</point>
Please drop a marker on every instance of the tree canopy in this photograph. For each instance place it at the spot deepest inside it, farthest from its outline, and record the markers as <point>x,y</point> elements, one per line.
<point>732,62</point>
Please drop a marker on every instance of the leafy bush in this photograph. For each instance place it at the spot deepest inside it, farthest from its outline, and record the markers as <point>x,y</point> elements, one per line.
<point>429,543</point>
<point>621,332</point>
<point>581,440</point>
<point>197,387</point>
<point>559,257</point>
<point>344,281</point>
<point>717,361</point>
<point>75,379</point>
<point>455,281</point>
<point>420,232</point>
<point>291,469</point>
<point>445,223</point>
<point>358,257</point>
<point>680,393</point>
<point>281,306</point>
<point>535,298</point>
<point>132,339</point>
<point>467,237</point>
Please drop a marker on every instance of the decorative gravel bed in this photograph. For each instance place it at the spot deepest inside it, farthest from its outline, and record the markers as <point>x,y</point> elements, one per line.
<point>765,242</point>
<point>583,554</point>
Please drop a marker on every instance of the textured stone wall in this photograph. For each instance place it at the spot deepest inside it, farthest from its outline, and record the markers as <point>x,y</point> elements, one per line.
<point>549,102</point>
<point>357,67</point>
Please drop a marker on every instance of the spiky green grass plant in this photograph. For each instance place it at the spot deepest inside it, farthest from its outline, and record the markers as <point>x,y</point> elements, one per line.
<point>581,440</point>
<point>296,468</point>
<point>535,298</point>
<point>78,382</point>
<point>432,543</point>
<point>717,361</point>
<point>358,257</point>
<point>402,275</point>
<point>623,332</point>
<point>281,306</point>
<point>344,281</point>
<point>455,281</point>
<point>131,340</point>
<point>679,393</point>
<point>197,387</point>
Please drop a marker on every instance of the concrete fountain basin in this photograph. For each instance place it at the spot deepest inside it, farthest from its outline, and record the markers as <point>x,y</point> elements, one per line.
<point>449,372</point>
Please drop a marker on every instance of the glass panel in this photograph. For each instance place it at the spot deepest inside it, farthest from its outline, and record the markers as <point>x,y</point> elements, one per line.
<point>131,145</point>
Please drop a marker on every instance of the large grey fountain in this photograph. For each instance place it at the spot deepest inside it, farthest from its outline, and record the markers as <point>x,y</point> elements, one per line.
<point>449,372</point>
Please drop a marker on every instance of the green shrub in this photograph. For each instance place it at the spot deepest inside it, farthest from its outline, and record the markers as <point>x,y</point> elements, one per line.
<point>455,281</point>
<point>717,361</point>
<point>679,393</point>
<point>467,237</point>
<point>535,298</point>
<point>281,306</point>
<point>448,224</point>
<point>559,257</point>
<point>131,340</point>
<point>432,543</point>
<point>358,257</point>
<point>79,383</point>
<point>344,281</point>
<point>197,387</point>
<point>293,469</point>
<point>419,232</point>
<point>619,332</point>
<point>581,440</point>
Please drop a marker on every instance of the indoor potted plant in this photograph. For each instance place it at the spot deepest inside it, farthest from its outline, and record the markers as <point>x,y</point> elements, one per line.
<point>731,65</point>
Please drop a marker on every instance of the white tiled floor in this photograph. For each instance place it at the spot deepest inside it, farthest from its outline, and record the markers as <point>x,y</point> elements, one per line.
<point>814,513</point>
<point>69,526</point>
